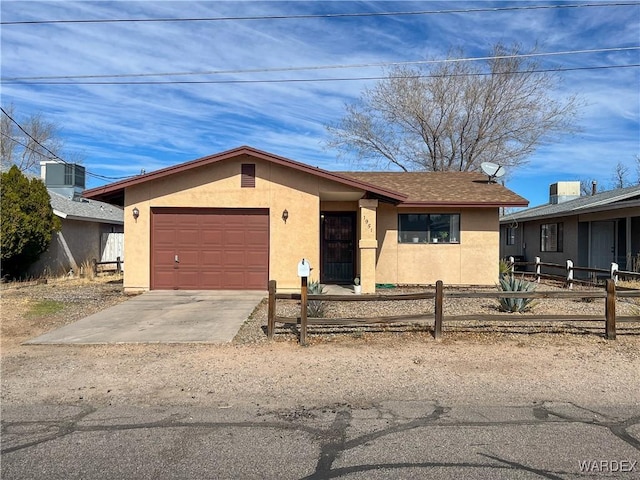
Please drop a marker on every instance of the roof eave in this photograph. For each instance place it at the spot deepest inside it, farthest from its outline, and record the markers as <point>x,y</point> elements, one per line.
<point>464,204</point>
<point>116,190</point>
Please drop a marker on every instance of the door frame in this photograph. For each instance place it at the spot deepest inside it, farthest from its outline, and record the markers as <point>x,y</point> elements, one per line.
<point>354,241</point>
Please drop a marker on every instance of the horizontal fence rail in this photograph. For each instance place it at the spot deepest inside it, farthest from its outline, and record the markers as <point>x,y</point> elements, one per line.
<point>438,318</point>
<point>568,278</point>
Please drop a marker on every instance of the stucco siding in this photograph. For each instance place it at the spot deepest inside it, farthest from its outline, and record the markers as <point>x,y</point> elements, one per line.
<point>277,188</point>
<point>473,261</point>
<point>77,242</point>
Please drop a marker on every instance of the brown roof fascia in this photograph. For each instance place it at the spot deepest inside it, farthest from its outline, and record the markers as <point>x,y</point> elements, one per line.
<point>464,204</point>
<point>116,189</point>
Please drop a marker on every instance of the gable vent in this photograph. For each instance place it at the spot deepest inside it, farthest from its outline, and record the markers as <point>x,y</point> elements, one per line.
<point>248,175</point>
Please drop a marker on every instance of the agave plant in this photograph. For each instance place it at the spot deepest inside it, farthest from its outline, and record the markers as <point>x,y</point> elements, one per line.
<point>315,308</point>
<point>509,283</point>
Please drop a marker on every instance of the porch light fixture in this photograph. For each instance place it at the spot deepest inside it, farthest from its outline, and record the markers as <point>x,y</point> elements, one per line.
<point>136,213</point>
<point>285,215</point>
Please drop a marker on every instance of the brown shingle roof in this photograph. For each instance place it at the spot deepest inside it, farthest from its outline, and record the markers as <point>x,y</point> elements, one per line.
<point>406,189</point>
<point>442,188</point>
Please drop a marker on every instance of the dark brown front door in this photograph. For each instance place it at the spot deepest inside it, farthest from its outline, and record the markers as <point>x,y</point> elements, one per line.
<point>209,249</point>
<point>338,247</point>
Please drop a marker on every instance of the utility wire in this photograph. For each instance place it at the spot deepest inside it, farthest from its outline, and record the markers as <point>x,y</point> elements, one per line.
<point>327,15</point>
<point>309,80</point>
<point>327,67</point>
<point>53,155</point>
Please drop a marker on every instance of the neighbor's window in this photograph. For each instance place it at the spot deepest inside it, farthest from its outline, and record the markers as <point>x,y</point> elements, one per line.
<point>551,237</point>
<point>428,228</point>
<point>510,235</point>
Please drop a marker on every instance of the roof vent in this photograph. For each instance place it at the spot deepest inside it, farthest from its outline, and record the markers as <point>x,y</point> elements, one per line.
<point>560,192</point>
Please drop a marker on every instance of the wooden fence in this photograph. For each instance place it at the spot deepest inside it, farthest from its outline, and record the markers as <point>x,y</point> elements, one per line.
<point>115,266</point>
<point>438,318</point>
<point>568,271</point>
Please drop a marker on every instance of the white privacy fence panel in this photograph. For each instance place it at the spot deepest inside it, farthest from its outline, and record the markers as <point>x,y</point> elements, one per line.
<point>112,247</point>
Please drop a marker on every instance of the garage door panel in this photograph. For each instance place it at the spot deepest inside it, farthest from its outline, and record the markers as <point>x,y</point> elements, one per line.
<point>235,259</point>
<point>212,238</point>
<point>164,257</point>
<point>212,257</point>
<point>189,258</point>
<point>188,237</point>
<point>188,279</point>
<point>164,279</point>
<point>224,249</point>
<point>213,279</point>
<point>234,238</point>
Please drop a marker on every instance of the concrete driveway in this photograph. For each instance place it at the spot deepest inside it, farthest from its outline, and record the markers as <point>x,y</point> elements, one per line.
<point>175,316</point>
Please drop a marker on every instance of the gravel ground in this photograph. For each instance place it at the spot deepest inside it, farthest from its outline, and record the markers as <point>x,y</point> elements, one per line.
<point>483,364</point>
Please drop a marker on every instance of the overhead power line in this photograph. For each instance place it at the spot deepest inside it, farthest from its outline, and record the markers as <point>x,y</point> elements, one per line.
<point>322,67</point>
<point>315,16</point>
<point>305,80</point>
<point>52,156</point>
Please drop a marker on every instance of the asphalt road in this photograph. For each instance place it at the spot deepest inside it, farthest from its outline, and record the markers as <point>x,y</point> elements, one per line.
<point>394,439</point>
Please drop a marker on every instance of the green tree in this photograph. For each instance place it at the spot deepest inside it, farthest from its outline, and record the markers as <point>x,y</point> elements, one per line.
<point>28,222</point>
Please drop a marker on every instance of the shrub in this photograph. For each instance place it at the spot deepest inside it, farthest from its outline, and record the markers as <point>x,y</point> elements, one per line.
<point>510,283</point>
<point>315,308</point>
<point>28,222</point>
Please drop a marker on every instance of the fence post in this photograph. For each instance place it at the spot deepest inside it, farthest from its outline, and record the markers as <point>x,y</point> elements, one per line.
<point>537,269</point>
<point>610,310</point>
<point>512,263</point>
<point>303,311</point>
<point>118,265</point>
<point>437,327</point>
<point>94,264</point>
<point>570,274</point>
<point>271,318</point>
<point>614,272</point>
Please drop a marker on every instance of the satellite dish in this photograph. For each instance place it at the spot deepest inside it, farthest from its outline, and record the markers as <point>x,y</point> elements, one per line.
<point>492,170</point>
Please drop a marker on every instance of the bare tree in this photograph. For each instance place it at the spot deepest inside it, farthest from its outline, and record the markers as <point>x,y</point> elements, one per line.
<point>456,115</point>
<point>27,141</point>
<point>620,176</point>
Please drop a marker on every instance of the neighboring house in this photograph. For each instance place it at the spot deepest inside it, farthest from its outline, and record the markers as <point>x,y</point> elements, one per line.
<point>593,231</point>
<point>242,217</point>
<point>90,229</point>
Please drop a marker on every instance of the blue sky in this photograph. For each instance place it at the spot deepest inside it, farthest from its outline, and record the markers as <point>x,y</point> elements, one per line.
<point>123,129</point>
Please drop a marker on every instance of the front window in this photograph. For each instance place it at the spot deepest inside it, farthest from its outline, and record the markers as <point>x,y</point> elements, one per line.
<point>511,235</point>
<point>428,228</point>
<point>551,237</point>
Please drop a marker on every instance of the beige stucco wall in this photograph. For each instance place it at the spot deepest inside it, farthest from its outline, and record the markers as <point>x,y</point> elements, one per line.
<point>473,261</point>
<point>218,186</point>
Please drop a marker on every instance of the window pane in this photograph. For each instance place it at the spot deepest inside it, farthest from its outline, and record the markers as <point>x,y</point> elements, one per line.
<point>549,237</point>
<point>412,228</point>
<point>433,228</point>
<point>444,228</point>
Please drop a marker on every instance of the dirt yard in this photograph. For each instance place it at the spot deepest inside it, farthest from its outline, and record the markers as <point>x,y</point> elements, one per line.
<point>483,364</point>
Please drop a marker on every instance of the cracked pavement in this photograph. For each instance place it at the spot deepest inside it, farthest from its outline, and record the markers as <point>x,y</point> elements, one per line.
<point>390,439</point>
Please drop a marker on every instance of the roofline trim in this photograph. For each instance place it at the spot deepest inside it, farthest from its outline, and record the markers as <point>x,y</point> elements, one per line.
<point>243,150</point>
<point>464,204</point>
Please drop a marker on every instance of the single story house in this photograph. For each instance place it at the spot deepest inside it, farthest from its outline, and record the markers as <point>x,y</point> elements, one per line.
<point>239,218</point>
<point>592,231</point>
<point>90,229</point>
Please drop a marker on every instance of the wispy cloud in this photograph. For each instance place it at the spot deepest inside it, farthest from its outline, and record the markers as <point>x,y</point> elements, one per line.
<point>125,128</point>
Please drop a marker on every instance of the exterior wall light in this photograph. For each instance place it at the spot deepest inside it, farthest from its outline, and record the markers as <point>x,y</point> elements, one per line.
<point>136,213</point>
<point>285,215</point>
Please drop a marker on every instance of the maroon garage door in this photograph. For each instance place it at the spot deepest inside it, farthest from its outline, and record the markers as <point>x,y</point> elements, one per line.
<point>209,249</point>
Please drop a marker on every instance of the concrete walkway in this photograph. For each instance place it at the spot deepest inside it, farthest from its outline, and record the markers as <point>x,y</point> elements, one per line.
<point>176,316</point>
